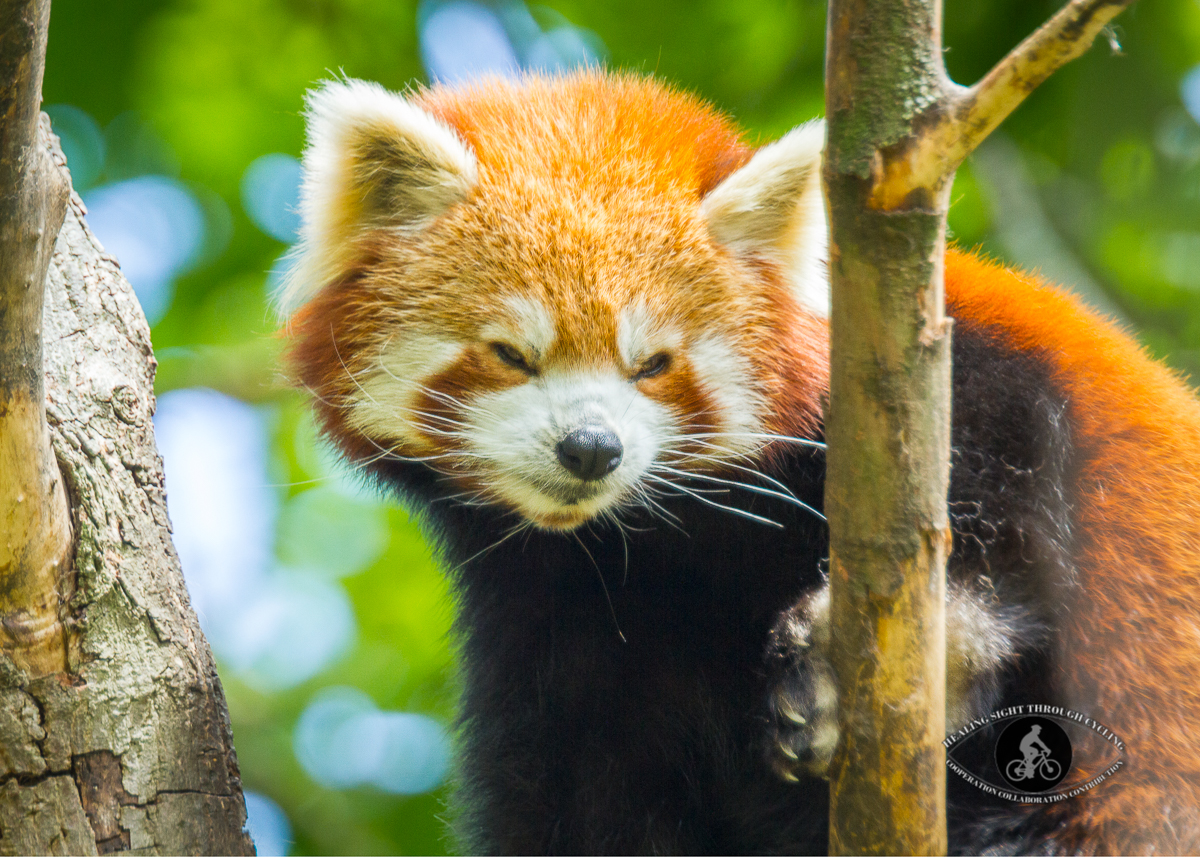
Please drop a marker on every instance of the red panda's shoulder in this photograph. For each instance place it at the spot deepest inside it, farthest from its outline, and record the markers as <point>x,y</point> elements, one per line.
<point>1019,308</point>
<point>1121,400</point>
<point>1090,355</point>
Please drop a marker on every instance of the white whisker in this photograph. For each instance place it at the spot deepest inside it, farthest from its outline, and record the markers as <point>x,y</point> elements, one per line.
<point>512,532</point>
<point>741,513</point>
<point>767,436</point>
<point>603,585</point>
<point>749,470</point>
<point>789,497</point>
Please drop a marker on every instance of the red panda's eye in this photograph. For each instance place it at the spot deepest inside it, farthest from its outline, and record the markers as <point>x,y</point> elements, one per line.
<point>656,365</point>
<point>511,356</point>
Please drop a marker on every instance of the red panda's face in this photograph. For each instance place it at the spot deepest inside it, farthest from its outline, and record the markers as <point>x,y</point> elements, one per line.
<point>561,333</point>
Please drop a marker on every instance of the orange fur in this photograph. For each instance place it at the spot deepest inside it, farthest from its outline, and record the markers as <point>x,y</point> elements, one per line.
<point>588,201</point>
<point>1131,647</point>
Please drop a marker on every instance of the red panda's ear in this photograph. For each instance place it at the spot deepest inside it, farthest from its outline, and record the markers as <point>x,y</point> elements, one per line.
<point>772,207</point>
<point>373,160</point>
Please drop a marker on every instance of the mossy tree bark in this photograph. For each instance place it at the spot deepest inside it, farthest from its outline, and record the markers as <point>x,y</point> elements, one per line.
<point>114,736</point>
<point>897,130</point>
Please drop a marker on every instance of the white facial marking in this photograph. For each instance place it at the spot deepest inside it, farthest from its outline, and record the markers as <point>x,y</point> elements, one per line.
<point>384,397</point>
<point>525,323</point>
<point>640,336</point>
<point>516,431</point>
<point>728,379</point>
<point>509,438</point>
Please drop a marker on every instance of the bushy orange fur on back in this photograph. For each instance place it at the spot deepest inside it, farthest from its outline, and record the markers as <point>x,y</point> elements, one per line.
<point>1131,646</point>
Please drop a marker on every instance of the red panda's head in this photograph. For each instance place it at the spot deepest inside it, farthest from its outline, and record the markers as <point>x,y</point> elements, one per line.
<point>556,291</point>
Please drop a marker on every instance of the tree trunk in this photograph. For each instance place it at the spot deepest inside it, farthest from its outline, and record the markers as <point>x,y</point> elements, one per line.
<point>888,431</point>
<point>114,735</point>
<point>129,748</point>
<point>897,130</point>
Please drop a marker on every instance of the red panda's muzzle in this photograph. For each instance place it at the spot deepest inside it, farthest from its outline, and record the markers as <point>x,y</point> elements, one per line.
<point>591,452</point>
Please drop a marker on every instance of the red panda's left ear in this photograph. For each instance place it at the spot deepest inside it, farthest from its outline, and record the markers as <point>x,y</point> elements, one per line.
<point>374,160</point>
<point>772,207</point>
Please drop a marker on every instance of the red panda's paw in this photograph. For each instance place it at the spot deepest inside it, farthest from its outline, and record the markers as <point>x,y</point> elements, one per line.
<point>981,636</point>
<point>802,707</point>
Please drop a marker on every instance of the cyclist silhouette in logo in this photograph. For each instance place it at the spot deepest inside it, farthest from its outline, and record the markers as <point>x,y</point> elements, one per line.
<point>1037,761</point>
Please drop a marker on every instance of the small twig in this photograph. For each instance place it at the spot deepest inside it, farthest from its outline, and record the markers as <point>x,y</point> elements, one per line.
<point>967,115</point>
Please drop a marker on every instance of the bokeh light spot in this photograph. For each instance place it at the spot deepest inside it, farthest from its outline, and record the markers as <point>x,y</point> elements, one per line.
<point>330,533</point>
<point>342,740</point>
<point>1177,137</point>
<point>558,50</point>
<point>271,195</point>
<point>1189,91</point>
<point>155,227</point>
<point>287,629</point>
<point>415,755</point>
<point>319,737</point>
<point>461,40</point>
<point>268,825</point>
<point>82,143</point>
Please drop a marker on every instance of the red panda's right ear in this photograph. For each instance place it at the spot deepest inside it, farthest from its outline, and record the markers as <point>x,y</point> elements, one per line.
<point>373,161</point>
<point>772,207</point>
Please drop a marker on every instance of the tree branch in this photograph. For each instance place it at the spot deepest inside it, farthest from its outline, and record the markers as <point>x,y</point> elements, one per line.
<point>897,128</point>
<point>888,433</point>
<point>967,115</point>
<point>34,530</point>
<point>141,691</point>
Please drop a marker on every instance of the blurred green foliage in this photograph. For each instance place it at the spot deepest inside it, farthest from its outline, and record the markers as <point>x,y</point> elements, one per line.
<point>1096,181</point>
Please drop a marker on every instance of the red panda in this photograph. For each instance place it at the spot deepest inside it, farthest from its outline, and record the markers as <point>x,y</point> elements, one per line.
<point>579,325</point>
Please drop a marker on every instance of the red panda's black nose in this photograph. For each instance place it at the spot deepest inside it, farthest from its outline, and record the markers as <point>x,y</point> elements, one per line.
<point>590,452</point>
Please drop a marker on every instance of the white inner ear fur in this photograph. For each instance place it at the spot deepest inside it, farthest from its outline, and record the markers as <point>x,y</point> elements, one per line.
<point>373,159</point>
<point>773,207</point>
